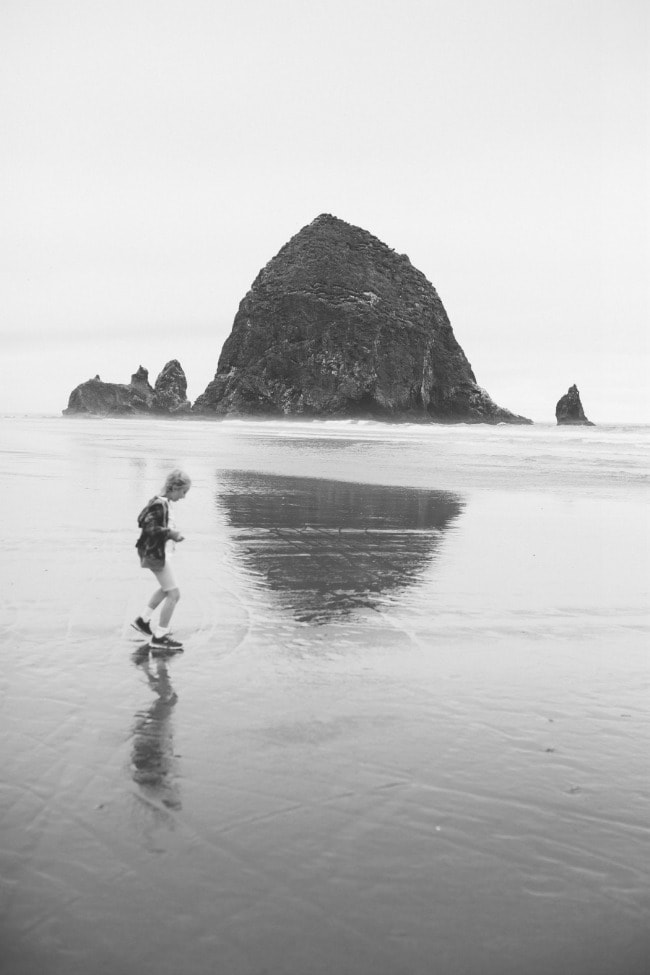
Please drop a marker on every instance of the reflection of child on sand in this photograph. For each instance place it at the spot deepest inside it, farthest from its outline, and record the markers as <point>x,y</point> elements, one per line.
<point>152,753</point>
<point>157,541</point>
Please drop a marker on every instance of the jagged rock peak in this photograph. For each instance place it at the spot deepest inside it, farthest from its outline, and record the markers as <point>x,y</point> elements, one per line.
<point>141,377</point>
<point>170,391</point>
<point>339,324</point>
<point>569,411</point>
<point>97,398</point>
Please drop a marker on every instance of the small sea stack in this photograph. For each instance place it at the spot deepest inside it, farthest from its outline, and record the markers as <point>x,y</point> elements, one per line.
<point>569,411</point>
<point>338,324</point>
<point>170,390</point>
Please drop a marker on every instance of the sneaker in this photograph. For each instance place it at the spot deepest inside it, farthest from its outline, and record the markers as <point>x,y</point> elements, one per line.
<point>142,625</point>
<point>165,644</point>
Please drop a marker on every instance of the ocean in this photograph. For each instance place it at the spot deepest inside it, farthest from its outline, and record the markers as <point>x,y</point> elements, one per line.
<point>409,733</point>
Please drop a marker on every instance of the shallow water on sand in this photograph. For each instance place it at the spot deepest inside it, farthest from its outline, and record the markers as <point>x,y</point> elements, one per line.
<point>408,734</point>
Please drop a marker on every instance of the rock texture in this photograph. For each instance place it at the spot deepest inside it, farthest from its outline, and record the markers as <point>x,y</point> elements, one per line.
<point>97,398</point>
<point>339,324</point>
<point>569,409</point>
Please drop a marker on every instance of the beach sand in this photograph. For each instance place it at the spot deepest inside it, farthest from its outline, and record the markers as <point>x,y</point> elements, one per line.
<point>409,732</point>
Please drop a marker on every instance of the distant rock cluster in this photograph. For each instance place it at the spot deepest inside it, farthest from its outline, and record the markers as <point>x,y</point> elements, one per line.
<point>168,397</point>
<point>335,325</point>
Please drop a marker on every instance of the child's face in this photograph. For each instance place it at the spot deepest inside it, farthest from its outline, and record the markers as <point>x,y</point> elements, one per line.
<point>178,493</point>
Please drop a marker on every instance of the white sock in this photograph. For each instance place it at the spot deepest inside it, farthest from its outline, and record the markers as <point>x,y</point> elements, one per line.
<point>148,613</point>
<point>161,631</point>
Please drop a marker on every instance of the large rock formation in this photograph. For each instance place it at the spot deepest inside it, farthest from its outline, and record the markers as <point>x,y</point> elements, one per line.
<point>569,409</point>
<point>338,324</point>
<point>97,398</point>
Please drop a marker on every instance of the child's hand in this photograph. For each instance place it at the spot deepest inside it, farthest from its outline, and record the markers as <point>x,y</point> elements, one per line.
<point>176,536</point>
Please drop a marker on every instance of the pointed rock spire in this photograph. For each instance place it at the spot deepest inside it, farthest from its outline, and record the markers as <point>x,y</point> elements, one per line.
<point>170,393</point>
<point>569,411</point>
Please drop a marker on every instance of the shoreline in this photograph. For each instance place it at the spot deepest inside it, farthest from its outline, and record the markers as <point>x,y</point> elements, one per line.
<point>310,420</point>
<point>413,420</point>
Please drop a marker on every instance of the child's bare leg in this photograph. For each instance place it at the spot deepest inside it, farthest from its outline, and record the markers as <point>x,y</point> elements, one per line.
<point>156,599</point>
<point>172,597</point>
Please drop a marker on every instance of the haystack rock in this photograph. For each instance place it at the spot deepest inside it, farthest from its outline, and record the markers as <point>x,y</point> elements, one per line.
<point>338,324</point>
<point>569,409</point>
<point>97,398</point>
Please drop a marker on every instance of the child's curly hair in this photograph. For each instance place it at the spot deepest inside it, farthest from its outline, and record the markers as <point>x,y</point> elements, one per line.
<point>175,479</point>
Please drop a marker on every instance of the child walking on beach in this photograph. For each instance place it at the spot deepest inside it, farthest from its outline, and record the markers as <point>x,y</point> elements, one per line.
<point>155,546</point>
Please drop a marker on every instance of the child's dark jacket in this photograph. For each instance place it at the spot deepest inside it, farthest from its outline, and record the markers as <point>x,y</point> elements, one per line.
<point>153,522</point>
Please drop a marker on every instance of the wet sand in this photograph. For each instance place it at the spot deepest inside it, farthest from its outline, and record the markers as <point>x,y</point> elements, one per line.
<point>409,732</point>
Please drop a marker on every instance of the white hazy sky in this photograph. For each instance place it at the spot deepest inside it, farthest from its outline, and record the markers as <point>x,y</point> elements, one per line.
<point>156,154</point>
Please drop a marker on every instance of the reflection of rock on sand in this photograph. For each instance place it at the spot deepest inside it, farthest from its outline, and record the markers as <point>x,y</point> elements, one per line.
<point>152,750</point>
<point>329,547</point>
